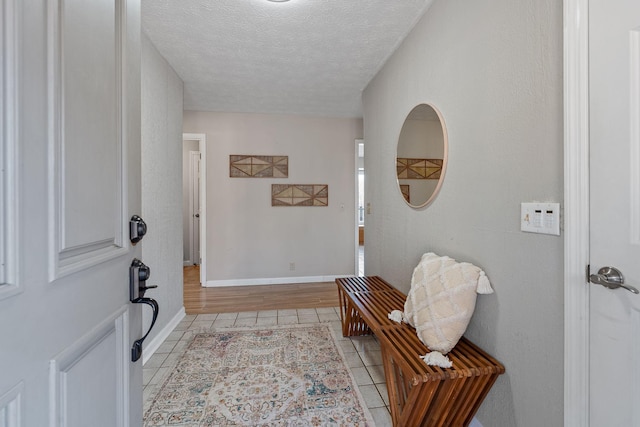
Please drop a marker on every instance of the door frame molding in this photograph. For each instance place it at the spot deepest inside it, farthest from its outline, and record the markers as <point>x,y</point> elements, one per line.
<point>576,212</point>
<point>202,144</point>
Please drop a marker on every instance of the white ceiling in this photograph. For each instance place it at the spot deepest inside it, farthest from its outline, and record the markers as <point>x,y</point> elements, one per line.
<point>309,57</point>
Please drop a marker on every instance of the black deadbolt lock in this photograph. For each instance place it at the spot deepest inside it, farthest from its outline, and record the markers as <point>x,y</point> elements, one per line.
<point>137,229</point>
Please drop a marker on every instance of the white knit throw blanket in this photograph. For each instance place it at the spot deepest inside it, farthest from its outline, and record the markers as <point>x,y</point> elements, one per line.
<point>441,302</point>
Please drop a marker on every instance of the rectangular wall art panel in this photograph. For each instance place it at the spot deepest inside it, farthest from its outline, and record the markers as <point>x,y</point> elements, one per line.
<point>406,192</point>
<point>249,166</point>
<point>299,195</point>
<point>418,168</point>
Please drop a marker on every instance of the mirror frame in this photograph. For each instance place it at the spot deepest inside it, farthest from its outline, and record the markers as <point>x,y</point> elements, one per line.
<point>445,156</point>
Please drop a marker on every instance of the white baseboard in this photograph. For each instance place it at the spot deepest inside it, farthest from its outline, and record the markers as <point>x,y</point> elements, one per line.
<point>152,346</point>
<point>187,263</point>
<point>475,423</point>
<point>271,281</point>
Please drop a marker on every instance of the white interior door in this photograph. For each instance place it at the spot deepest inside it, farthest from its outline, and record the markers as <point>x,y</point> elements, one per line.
<point>194,196</point>
<point>70,182</point>
<point>614,88</point>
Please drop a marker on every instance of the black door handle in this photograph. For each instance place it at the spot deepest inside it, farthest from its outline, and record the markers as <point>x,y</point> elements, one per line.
<point>136,350</point>
<point>139,273</point>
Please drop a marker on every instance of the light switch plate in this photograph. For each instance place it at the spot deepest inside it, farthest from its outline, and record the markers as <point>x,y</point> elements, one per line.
<point>541,218</point>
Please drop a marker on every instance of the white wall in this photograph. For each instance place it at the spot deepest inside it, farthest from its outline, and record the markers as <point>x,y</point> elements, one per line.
<point>494,69</point>
<point>249,239</point>
<point>162,185</point>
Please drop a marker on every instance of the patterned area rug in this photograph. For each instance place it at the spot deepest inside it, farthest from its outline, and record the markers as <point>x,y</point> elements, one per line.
<point>284,376</point>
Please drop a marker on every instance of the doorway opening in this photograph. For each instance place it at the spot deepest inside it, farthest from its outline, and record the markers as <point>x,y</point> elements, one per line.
<point>194,202</point>
<point>359,147</point>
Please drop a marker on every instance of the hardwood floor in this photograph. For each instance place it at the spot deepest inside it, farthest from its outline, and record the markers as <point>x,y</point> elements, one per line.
<point>199,300</point>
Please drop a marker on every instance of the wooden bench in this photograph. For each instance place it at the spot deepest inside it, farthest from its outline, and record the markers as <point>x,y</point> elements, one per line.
<point>419,394</point>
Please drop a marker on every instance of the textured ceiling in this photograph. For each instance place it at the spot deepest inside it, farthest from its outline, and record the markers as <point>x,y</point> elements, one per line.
<point>309,57</point>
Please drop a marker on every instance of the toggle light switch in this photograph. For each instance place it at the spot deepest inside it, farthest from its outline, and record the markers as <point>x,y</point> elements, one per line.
<point>541,218</point>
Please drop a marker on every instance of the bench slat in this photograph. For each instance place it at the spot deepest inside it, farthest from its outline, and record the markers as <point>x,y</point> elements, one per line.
<point>364,284</point>
<point>376,306</point>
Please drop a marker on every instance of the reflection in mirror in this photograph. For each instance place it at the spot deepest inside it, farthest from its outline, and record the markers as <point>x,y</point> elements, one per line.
<point>421,155</point>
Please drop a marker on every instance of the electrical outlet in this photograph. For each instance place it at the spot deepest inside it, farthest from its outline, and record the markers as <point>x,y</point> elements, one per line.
<point>292,266</point>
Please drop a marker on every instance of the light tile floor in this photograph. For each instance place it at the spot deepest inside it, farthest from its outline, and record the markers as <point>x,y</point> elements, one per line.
<point>362,353</point>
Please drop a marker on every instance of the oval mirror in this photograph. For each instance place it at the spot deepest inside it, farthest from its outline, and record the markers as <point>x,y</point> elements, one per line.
<point>421,156</point>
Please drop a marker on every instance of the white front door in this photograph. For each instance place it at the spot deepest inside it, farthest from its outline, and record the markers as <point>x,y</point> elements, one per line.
<point>70,182</point>
<point>614,91</point>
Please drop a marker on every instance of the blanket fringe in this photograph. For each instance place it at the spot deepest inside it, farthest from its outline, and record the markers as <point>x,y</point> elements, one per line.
<point>435,358</point>
<point>396,316</point>
<point>484,287</point>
